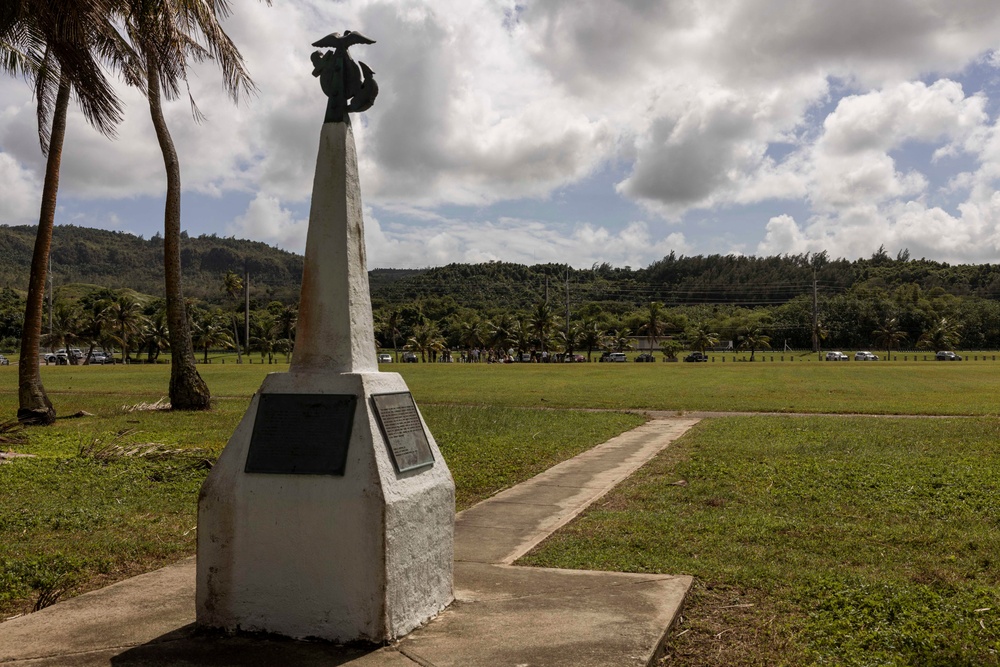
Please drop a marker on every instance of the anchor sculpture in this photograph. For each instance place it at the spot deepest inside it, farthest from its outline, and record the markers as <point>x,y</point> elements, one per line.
<point>341,78</point>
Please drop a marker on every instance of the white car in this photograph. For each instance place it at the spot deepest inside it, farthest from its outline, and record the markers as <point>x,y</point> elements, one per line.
<point>385,358</point>
<point>864,355</point>
<point>836,356</point>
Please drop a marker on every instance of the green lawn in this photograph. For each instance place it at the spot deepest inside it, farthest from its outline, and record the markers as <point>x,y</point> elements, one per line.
<point>965,388</point>
<point>814,540</point>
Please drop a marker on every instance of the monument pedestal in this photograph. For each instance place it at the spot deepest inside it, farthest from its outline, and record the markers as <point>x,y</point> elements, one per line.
<point>363,556</point>
<point>330,513</point>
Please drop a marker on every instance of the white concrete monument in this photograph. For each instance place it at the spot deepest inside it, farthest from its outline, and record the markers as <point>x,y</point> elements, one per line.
<point>330,514</point>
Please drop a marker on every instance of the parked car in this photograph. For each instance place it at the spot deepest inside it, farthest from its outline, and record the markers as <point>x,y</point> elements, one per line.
<point>409,358</point>
<point>864,355</point>
<point>836,356</point>
<point>947,355</point>
<point>645,357</point>
<point>616,357</point>
<point>99,358</point>
<point>574,358</point>
<point>57,358</point>
<point>385,358</point>
<point>696,356</point>
<point>73,352</point>
<point>4,361</point>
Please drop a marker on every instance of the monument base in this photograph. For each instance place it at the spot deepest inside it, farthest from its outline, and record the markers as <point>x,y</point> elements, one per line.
<point>287,545</point>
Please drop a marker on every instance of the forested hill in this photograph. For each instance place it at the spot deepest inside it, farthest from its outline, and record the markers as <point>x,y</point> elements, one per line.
<point>117,260</point>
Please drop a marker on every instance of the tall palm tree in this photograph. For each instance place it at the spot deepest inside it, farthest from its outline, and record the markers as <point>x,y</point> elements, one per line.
<point>542,323</point>
<point>701,339</point>
<point>591,337</point>
<point>165,35</point>
<point>156,334</point>
<point>570,340</point>
<point>889,335</point>
<point>211,333</point>
<point>232,285</point>
<point>653,324</point>
<point>66,325</point>
<point>752,338</point>
<point>620,340</point>
<point>943,335</point>
<point>471,331</point>
<point>498,332</point>
<point>127,322</point>
<point>57,45</point>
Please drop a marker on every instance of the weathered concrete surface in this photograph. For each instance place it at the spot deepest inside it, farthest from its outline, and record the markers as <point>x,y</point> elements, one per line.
<point>503,615</point>
<point>363,556</point>
<point>127,613</point>
<point>334,326</point>
<point>511,616</point>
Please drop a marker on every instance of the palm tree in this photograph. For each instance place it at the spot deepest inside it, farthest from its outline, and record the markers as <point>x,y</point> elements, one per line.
<point>471,331</point>
<point>155,334</point>
<point>702,339</point>
<point>165,34</point>
<point>653,326</point>
<point>620,340</point>
<point>499,332</point>
<point>943,335</point>
<point>66,325</point>
<point>55,44</point>
<point>232,285</point>
<point>93,322</point>
<point>542,322</point>
<point>287,319</point>
<point>570,340</point>
<point>591,337</point>
<point>752,338</point>
<point>210,333</point>
<point>126,319</point>
<point>426,339</point>
<point>889,335</point>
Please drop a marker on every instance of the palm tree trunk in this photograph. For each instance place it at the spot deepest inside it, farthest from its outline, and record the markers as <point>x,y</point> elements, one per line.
<point>236,339</point>
<point>34,406</point>
<point>187,390</point>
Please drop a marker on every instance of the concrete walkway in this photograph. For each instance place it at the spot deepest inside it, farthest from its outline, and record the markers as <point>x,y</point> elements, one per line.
<point>502,615</point>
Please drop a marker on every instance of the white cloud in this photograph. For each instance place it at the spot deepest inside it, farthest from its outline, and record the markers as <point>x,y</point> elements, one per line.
<point>514,240</point>
<point>267,220</point>
<point>21,197</point>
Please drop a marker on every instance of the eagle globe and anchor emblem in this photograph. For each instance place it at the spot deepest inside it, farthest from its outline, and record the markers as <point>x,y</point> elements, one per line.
<point>350,86</point>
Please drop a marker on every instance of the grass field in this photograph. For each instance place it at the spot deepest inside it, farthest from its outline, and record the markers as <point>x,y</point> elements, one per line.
<point>823,540</point>
<point>814,540</point>
<point>915,388</point>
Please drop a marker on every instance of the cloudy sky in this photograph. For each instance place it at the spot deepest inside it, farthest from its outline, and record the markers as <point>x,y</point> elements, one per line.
<point>577,131</point>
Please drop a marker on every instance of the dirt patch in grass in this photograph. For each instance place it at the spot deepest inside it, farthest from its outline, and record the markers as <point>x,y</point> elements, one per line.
<point>723,625</point>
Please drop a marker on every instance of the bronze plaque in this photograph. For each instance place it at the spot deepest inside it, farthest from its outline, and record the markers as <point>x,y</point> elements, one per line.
<point>404,432</point>
<point>301,434</point>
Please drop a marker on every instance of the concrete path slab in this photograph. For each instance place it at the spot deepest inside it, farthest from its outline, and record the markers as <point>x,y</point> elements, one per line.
<point>502,616</point>
<point>503,528</point>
